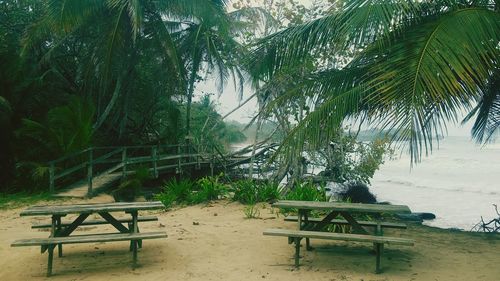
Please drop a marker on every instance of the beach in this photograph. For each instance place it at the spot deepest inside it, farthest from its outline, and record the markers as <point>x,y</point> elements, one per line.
<point>216,242</point>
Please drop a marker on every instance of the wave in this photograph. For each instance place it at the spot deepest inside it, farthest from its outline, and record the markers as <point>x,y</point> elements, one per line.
<point>427,187</point>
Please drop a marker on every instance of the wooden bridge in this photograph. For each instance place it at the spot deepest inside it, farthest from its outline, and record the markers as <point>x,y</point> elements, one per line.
<point>84,173</point>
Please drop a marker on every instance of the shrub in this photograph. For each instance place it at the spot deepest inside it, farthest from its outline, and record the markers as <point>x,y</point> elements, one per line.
<point>127,190</point>
<point>131,186</point>
<point>307,191</point>
<point>186,191</point>
<point>357,192</point>
<point>251,211</point>
<point>209,188</point>
<point>250,192</point>
<point>245,191</point>
<point>175,192</point>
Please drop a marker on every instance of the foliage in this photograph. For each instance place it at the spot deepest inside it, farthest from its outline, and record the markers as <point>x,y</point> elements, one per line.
<point>186,191</point>
<point>208,127</point>
<point>348,160</point>
<point>251,211</point>
<point>209,188</point>
<point>307,191</point>
<point>131,186</point>
<point>251,192</point>
<point>175,191</point>
<point>356,192</point>
<point>406,70</point>
<point>66,129</point>
<point>20,199</point>
<point>128,61</point>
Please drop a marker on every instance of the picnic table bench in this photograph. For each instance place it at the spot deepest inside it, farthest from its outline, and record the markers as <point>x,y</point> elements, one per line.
<point>311,228</point>
<point>60,232</point>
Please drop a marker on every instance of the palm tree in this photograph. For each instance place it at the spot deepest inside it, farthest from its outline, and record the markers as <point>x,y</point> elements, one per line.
<point>209,44</point>
<point>412,66</point>
<point>116,35</point>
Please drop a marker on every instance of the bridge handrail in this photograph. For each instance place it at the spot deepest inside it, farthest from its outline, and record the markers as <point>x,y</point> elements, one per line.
<point>89,162</point>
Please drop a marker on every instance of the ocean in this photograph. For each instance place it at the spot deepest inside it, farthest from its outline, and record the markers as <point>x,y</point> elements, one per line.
<point>459,182</point>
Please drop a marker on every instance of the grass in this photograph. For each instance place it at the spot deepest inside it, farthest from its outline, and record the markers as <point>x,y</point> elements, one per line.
<point>15,200</point>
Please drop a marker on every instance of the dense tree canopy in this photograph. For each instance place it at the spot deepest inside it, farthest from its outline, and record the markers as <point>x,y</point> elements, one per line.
<point>82,73</point>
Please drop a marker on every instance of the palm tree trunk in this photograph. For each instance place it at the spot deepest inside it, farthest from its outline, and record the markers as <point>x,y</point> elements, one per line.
<point>190,99</point>
<point>110,105</point>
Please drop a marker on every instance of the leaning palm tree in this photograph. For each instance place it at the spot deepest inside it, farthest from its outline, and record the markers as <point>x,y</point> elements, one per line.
<point>412,66</point>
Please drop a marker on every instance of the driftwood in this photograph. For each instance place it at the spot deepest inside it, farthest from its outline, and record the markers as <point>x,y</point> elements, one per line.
<point>491,226</point>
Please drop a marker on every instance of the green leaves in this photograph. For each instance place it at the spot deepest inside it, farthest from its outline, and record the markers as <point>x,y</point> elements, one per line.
<point>413,67</point>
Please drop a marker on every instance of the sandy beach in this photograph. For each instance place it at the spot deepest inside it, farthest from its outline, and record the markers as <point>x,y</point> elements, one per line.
<point>217,242</point>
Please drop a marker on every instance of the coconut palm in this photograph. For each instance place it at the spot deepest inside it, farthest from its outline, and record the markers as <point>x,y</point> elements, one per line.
<point>412,66</point>
<point>116,35</point>
<point>209,45</point>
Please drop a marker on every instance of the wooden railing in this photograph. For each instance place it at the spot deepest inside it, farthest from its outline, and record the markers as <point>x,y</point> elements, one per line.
<point>97,161</point>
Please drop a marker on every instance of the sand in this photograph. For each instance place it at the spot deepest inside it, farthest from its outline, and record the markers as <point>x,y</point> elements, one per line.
<point>217,242</point>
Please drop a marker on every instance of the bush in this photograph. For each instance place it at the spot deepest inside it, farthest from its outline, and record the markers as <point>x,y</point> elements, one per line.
<point>357,192</point>
<point>209,188</point>
<point>245,191</point>
<point>251,192</point>
<point>188,192</point>
<point>127,190</point>
<point>175,192</point>
<point>131,186</point>
<point>307,191</point>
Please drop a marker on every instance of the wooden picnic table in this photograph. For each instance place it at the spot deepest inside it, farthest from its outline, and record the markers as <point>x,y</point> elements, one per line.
<point>308,227</point>
<point>335,209</point>
<point>60,233</point>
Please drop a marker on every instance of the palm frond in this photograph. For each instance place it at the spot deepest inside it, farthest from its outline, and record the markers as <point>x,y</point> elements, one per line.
<point>487,110</point>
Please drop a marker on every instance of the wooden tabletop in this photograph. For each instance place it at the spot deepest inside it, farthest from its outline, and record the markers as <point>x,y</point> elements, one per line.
<point>342,207</point>
<point>91,208</point>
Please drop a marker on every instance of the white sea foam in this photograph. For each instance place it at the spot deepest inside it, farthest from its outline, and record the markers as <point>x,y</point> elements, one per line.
<point>459,182</point>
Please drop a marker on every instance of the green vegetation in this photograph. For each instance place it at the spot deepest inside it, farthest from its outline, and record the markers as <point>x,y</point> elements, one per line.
<point>16,200</point>
<point>77,73</point>
<point>188,192</point>
<point>251,192</point>
<point>396,65</point>
<point>131,186</point>
<point>251,211</point>
<point>307,191</point>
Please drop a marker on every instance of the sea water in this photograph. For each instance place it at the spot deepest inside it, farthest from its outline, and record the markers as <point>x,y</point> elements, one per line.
<point>459,182</point>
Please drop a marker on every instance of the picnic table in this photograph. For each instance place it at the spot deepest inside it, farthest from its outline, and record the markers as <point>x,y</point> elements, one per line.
<point>60,232</point>
<point>341,214</point>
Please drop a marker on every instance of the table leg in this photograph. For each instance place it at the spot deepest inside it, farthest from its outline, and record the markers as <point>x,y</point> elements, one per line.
<point>51,257</point>
<point>326,220</point>
<point>297,251</point>
<point>58,229</point>
<point>51,247</point>
<point>355,225</point>
<point>306,223</point>
<point>378,248</point>
<point>134,242</point>
<point>114,222</point>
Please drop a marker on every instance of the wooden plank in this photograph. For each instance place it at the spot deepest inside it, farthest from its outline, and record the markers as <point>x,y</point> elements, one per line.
<point>342,207</point>
<point>91,208</point>
<point>90,238</point>
<point>100,221</point>
<point>70,170</point>
<point>339,236</point>
<point>344,222</point>
<point>109,218</point>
